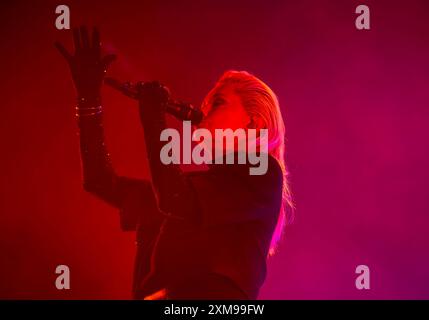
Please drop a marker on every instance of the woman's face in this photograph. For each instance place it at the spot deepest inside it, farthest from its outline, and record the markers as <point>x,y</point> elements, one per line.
<point>225,111</point>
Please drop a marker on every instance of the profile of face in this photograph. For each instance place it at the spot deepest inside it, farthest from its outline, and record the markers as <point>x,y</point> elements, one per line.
<point>225,111</point>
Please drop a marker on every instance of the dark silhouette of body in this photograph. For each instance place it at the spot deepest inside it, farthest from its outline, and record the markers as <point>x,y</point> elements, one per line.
<point>201,235</point>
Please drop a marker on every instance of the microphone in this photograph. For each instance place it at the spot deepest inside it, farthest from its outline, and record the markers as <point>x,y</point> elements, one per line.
<point>181,110</point>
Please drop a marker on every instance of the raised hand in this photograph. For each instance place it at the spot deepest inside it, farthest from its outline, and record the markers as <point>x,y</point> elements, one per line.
<point>87,65</point>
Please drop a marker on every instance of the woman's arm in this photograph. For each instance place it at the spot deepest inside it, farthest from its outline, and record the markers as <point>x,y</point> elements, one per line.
<point>132,196</point>
<point>99,177</point>
<point>172,190</point>
<point>88,67</point>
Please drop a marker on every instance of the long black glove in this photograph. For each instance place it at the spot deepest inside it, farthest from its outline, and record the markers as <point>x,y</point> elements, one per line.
<point>87,65</point>
<point>88,68</point>
<point>174,195</point>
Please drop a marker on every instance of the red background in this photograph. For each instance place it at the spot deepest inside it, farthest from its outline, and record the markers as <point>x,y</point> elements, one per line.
<point>356,110</point>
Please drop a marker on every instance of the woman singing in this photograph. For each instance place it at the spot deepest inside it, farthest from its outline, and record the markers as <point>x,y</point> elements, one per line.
<point>200,235</point>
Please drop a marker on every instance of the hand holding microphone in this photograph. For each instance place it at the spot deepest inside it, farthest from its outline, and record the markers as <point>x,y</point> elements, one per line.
<point>154,93</point>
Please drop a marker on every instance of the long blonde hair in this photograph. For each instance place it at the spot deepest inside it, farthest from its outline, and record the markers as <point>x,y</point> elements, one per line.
<point>261,102</point>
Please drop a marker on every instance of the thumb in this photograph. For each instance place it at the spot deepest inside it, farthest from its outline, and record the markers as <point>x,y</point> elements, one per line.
<point>63,51</point>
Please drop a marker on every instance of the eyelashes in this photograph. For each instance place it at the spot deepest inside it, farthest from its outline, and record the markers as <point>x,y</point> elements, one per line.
<point>217,103</point>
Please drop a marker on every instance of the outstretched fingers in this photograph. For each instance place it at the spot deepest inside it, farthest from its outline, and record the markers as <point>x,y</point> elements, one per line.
<point>76,39</point>
<point>84,37</point>
<point>96,41</point>
<point>63,51</point>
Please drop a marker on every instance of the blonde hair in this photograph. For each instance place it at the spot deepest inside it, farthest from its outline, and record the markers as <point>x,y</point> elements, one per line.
<point>261,102</point>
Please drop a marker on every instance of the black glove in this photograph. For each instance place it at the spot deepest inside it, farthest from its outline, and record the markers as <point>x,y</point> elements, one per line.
<point>87,64</point>
<point>153,102</point>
